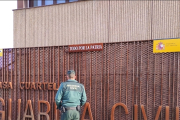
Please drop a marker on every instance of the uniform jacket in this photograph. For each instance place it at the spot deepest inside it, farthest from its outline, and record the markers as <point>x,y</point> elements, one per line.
<point>71,93</point>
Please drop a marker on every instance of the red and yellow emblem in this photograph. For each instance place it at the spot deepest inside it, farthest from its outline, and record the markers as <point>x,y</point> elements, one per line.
<point>160,46</point>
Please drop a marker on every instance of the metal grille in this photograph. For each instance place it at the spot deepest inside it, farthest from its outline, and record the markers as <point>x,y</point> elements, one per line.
<point>126,72</point>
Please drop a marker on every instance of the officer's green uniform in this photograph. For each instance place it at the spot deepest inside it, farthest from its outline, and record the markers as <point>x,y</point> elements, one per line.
<point>72,94</point>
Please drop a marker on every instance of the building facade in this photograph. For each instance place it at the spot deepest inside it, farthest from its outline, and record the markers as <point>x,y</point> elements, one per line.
<point>125,80</point>
<point>85,22</point>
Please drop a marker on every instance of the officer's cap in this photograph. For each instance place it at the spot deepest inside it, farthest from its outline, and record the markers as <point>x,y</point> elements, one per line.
<point>70,72</point>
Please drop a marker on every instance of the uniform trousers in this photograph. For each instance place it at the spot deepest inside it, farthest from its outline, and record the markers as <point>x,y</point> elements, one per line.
<point>70,115</point>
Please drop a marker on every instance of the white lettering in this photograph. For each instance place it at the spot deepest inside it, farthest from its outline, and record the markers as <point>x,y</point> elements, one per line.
<point>81,47</point>
<point>73,48</point>
<point>87,47</point>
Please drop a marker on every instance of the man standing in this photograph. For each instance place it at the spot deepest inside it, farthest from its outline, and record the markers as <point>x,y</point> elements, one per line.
<point>70,97</point>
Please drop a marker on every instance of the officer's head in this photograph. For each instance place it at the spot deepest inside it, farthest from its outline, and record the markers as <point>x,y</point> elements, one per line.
<point>71,74</point>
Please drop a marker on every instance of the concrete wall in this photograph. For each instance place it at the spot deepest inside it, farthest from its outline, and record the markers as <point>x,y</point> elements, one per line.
<point>19,31</point>
<point>95,22</point>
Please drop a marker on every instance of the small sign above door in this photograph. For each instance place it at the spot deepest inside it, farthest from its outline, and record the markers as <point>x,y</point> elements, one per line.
<point>86,47</point>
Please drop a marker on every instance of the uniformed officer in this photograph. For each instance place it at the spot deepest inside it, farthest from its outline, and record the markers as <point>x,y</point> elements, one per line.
<point>70,97</point>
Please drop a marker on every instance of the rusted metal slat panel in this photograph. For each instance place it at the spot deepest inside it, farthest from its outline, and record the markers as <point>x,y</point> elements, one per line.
<point>34,73</point>
<point>11,94</point>
<point>68,61</point>
<point>48,71</point>
<point>29,69</point>
<point>58,66</point>
<point>43,78</point>
<point>105,55</point>
<point>136,85</point>
<point>108,82</point>
<point>25,75</point>
<point>133,82</point>
<point>4,69</point>
<point>154,85</point>
<point>114,71</point>
<point>120,77</point>
<point>15,84</point>
<point>96,89</point>
<point>6,79</point>
<point>79,67</point>
<point>173,116</point>
<point>161,82</point>
<point>53,82</point>
<point>147,78</point>
<point>38,70</point>
<point>127,72</point>
<point>140,93</point>
<point>90,76</point>
<point>50,80</point>
<point>20,74</point>
<point>127,76</point>
<point>24,78</point>
<point>102,65</point>
<point>63,62</point>
<point>2,91</point>
<point>177,104</point>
